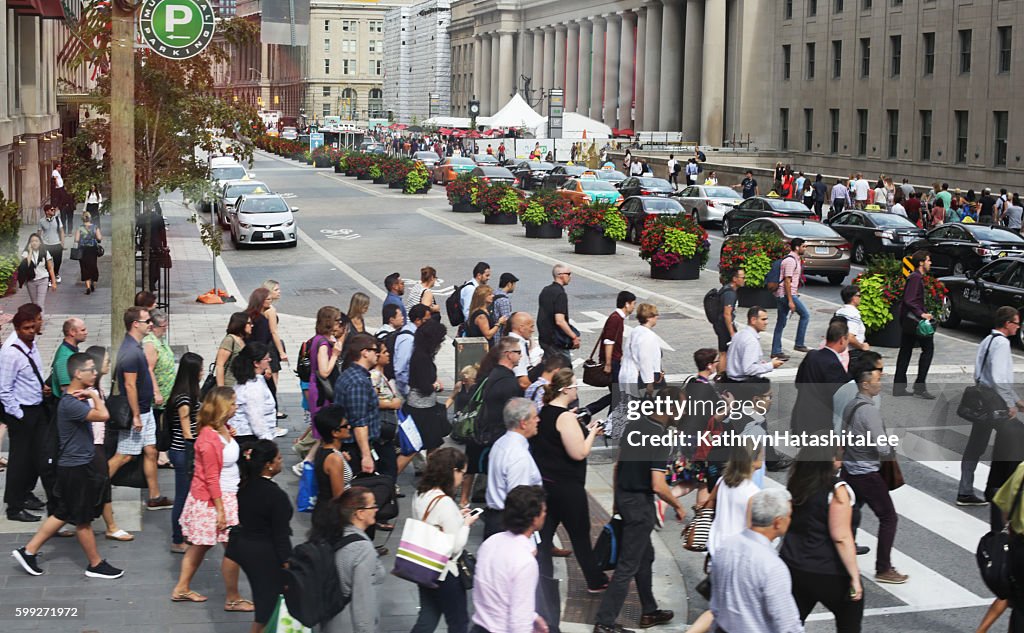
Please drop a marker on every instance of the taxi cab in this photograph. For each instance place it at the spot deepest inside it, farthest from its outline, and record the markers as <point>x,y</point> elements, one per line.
<point>585,190</point>
<point>450,168</point>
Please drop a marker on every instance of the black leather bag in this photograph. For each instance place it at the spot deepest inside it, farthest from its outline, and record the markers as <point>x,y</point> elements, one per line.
<point>593,370</point>
<point>120,413</point>
<point>994,558</point>
<point>131,475</point>
<point>981,403</point>
<point>467,569</point>
<point>561,340</point>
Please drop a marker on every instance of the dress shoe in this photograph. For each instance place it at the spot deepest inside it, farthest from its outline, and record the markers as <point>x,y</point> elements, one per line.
<point>558,552</point>
<point>862,550</point>
<point>32,497</point>
<point>34,504</point>
<point>923,394</point>
<point>801,348</point>
<point>661,616</point>
<point>23,517</point>
<point>900,392</point>
<point>970,500</point>
<point>615,628</point>
<point>780,356</point>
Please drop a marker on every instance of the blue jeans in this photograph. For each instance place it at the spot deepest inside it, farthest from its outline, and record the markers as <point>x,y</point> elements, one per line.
<point>449,600</point>
<point>182,481</point>
<point>780,324</point>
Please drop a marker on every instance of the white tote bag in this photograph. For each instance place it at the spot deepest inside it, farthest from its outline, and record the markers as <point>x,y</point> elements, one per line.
<point>423,551</point>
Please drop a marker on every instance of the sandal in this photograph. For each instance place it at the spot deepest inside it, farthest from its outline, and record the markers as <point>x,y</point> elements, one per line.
<point>188,596</point>
<point>119,535</point>
<point>234,605</point>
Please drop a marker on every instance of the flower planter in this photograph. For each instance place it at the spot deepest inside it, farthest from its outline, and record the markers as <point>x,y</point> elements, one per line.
<point>594,242</point>
<point>465,207</point>
<point>422,190</point>
<point>380,181</point>
<point>888,336</point>
<point>350,173</point>
<point>363,177</point>
<point>397,185</point>
<point>321,162</point>
<point>501,218</point>
<point>337,169</point>
<point>750,297</point>
<point>546,231</point>
<point>685,269</point>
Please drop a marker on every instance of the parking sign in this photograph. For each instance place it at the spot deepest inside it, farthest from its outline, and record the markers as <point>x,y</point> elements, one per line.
<point>177,29</point>
<point>316,139</point>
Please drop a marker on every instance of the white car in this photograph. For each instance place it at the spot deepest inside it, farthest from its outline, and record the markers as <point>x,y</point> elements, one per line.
<point>707,203</point>
<point>222,169</point>
<point>263,219</point>
<point>290,133</point>
<point>226,197</point>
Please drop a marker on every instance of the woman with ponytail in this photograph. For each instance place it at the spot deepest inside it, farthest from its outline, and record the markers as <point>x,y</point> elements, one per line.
<point>261,543</point>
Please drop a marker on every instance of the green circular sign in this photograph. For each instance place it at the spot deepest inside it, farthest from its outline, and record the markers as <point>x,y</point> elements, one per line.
<point>177,29</point>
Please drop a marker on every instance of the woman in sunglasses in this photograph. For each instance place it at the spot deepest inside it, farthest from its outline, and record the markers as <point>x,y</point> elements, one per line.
<point>333,474</point>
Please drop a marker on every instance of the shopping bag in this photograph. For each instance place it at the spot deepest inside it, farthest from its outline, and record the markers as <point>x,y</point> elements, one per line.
<point>308,488</point>
<point>409,439</point>
<point>423,552</point>
<point>282,622</point>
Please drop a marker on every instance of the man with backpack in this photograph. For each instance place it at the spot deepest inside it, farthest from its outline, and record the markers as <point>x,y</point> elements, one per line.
<point>395,286</point>
<point>481,275</point>
<point>787,297</point>
<point>720,310</point>
<point>399,345</point>
<point>502,305</point>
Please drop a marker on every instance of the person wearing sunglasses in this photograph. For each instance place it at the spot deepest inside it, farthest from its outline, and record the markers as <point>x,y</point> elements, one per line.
<point>333,474</point>
<point>554,332</point>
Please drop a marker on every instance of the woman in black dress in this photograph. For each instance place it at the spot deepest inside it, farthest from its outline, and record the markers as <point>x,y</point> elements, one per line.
<point>481,321</point>
<point>259,301</point>
<point>87,239</point>
<point>429,415</point>
<point>261,542</point>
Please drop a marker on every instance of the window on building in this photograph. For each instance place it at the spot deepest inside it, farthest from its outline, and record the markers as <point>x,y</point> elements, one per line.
<point>327,110</point>
<point>787,55</point>
<point>348,25</point>
<point>1005,41</point>
<point>862,132</point>
<point>865,4</point>
<point>378,67</point>
<point>376,26</point>
<point>348,46</point>
<point>327,91</point>
<point>327,26</point>
<point>376,104</point>
<point>784,128</point>
<point>965,50</point>
<point>837,59</point>
<point>787,10</point>
<point>960,124</point>
<point>812,8</point>
<point>349,103</point>
<point>833,133</point>
<point>896,58</point>
<point>376,46</point>
<point>327,67</point>
<point>810,60</point>
<point>897,3</point>
<point>837,6</point>
<point>926,134</point>
<point>327,45</point>
<point>928,41</point>
<point>348,66</point>
<point>893,117</point>
<point>865,56</point>
<point>1001,123</point>
<point>808,129</point>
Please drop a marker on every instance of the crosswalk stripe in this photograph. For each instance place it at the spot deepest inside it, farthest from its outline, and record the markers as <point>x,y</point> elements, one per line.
<point>944,520</point>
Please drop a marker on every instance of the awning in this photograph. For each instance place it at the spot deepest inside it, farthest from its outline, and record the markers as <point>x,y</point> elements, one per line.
<point>46,9</point>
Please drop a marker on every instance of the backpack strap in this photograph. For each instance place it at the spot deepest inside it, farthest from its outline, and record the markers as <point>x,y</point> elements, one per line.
<point>348,540</point>
<point>32,362</point>
<point>848,418</point>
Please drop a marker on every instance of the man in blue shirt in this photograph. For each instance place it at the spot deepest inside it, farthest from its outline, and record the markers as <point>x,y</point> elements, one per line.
<point>395,286</point>
<point>354,391</point>
<point>403,346</point>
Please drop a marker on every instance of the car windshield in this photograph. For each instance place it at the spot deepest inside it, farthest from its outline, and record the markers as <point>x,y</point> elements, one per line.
<point>496,172</point>
<point>540,166</point>
<point>611,174</point>
<point>265,205</point>
<point>654,182</point>
<point>573,170</point>
<point>232,192</point>
<point>721,192</point>
<point>228,173</point>
<point>992,234</point>
<point>807,229</point>
<point>458,160</point>
<point>597,185</point>
<point>485,158</point>
<point>891,221</point>
<point>427,156</point>
<point>662,204</point>
<point>788,205</point>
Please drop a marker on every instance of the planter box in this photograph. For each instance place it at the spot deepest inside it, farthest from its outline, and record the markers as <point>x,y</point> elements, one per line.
<point>363,177</point>
<point>685,269</point>
<point>380,181</point>
<point>501,218</point>
<point>546,231</point>
<point>750,297</point>
<point>337,169</point>
<point>888,336</point>
<point>594,242</point>
<point>397,185</point>
<point>465,207</point>
<point>322,162</point>
<point>350,173</point>
<point>424,189</point>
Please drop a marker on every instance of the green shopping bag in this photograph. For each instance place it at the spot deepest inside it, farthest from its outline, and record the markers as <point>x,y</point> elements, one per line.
<point>282,622</point>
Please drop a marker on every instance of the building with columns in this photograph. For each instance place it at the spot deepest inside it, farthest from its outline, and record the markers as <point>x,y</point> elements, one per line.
<point>908,87</point>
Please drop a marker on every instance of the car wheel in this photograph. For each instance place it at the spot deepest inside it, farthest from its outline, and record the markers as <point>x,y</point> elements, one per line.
<point>836,278</point>
<point>958,269</point>
<point>725,226</point>
<point>859,254</point>
<point>949,317</point>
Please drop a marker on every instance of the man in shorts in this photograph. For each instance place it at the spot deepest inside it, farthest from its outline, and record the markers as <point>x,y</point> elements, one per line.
<point>134,381</point>
<point>78,493</point>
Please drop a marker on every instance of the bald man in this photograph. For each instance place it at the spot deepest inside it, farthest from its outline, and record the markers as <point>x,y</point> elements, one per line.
<point>75,334</point>
<point>521,326</point>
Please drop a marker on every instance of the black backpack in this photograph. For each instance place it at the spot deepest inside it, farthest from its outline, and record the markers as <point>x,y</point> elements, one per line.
<point>383,489</point>
<point>312,589</point>
<point>304,366</point>
<point>390,338</point>
<point>713,306</point>
<point>453,306</point>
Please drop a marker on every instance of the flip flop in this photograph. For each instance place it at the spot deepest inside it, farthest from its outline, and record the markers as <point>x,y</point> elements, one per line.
<point>188,596</point>
<point>119,535</point>
<point>234,604</point>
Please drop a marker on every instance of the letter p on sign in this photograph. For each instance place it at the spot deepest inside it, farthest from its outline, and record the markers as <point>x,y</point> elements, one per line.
<point>177,14</point>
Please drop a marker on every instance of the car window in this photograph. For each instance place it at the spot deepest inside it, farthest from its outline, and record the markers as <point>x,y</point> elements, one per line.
<point>1015,277</point>
<point>757,226</point>
<point>662,204</point>
<point>995,271</point>
<point>264,205</point>
<point>459,160</point>
<point>689,192</point>
<point>890,221</point>
<point>234,172</point>
<point>812,230</point>
<point>597,185</point>
<point>993,234</point>
<point>942,233</point>
<point>788,205</point>
<point>569,185</point>
<point>234,191</point>
<point>851,219</point>
<point>720,192</point>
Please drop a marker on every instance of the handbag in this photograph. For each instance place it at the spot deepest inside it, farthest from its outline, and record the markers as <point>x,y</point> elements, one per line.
<point>464,428</point>
<point>993,556</point>
<point>695,534</point>
<point>593,370</point>
<point>608,544</point>
<point>308,488</point>
<point>561,340</point>
<point>423,551</point>
<point>281,621</point>
<point>892,474</point>
<point>121,416</point>
<point>209,382</point>
<point>981,403</point>
<point>164,436</point>
<point>99,250</point>
<point>324,387</point>
<point>467,569</point>
<point>76,253</point>
<point>131,474</point>
<point>409,439</point>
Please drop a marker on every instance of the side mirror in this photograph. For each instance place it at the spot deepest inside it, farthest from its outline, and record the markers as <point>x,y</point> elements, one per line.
<point>295,209</point>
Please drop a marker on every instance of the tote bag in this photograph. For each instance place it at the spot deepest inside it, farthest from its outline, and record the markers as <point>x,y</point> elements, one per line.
<point>423,551</point>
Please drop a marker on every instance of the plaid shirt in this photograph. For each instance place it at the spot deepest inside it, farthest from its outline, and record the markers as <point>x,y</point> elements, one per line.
<point>354,391</point>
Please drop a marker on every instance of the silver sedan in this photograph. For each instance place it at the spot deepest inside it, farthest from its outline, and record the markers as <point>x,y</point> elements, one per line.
<point>708,203</point>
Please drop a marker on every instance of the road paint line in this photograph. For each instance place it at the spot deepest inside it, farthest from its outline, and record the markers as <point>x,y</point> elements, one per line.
<point>946,521</point>
<point>358,277</point>
<point>980,602</point>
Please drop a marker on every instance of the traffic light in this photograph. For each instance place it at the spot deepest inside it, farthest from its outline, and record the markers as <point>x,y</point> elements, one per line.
<point>474,107</point>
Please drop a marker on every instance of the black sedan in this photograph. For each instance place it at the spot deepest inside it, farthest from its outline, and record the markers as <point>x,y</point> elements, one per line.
<point>560,173</point>
<point>531,173</point>
<point>975,296</point>
<point>874,233</point>
<point>764,207</point>
<point>642,186</point>
<point>957,248</point>
<point>637,209</point>
<point>494,175</point>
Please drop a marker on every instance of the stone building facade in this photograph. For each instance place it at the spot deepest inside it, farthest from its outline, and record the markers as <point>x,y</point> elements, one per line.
<point>417,61</point>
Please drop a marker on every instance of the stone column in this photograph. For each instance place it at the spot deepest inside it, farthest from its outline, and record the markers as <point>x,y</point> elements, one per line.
<point>597,68</point>
<point>549,61</point>
<point>506,69</point>
<point>572,63</point>
<point>693,70</point>
<point>560,72</point>
<point>671,66</point>
<point>538,61</point>
<point>496,100</point>
<point>641,68</point>
<point>583,80</point>
<point>526,55</point>
<point>627,66</point>
<point>484,82</point>
<point>712,107</point>
<point>611,69</point>
<point>754,67</point>
<point>652,68</point>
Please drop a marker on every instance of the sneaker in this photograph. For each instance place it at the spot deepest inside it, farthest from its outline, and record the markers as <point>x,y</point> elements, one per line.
<point>891,576</point>
<point>297,469</point>
<point>970,500</point>
<point>59,280</point>
<point>27,561</point>
<point>280,432</point>
<point>104,570</point>
<point>160,503</point>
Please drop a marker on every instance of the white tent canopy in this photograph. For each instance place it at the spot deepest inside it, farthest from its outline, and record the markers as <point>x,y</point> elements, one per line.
<point>516,113</point>
<point>454,121</point>
<point>573,126</point>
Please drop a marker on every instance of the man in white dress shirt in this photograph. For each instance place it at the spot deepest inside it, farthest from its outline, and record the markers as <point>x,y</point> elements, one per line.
<point>510,463</point>
<point>746,358</point>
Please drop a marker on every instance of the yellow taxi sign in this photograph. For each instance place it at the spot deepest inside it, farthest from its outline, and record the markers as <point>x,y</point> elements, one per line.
<point>908,267</point>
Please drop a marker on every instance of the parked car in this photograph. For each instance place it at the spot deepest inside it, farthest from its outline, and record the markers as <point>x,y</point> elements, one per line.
<point>222,169</point>
<point>427,159</point>
<point>958,248</point>
<point>226,197</point>
<point>494,174</point>
<point>707,203</point>
<point>372,148</point>
<point>637,209</point>
<point>587,190</point>
<point>644,186</point>
<point>449,169</point>
<point>874,233</point>
<point>289,133</point>
<point>975,296</point>
<point>560,173</point>
<point>263,219</point>
<point>531,173</point>
<point>764,207</point>
<point>483,160</point>
<point>610,175</point>
<point>827,254</point>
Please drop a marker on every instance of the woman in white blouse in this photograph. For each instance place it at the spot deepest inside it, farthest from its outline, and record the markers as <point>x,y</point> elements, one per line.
<point>256,417</point>
<point>641,353</point>
<point>435,504</point>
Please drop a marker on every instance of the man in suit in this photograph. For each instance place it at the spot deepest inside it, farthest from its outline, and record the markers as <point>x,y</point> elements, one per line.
<point>820,374</point>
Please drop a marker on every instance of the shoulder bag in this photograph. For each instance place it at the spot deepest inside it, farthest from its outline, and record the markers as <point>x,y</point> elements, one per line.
<point>993,556</point>
<point>423,551</point>
<point>696,533</point>
<point>889,469</point>
<point>118,408</point>
<point>981,403</point>
<point>593,370</point>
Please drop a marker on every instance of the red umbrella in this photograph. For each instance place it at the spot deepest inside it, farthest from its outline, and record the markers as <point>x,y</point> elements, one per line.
<point>473,134</point>
<point>444,131</point>
<point>458,133</point>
